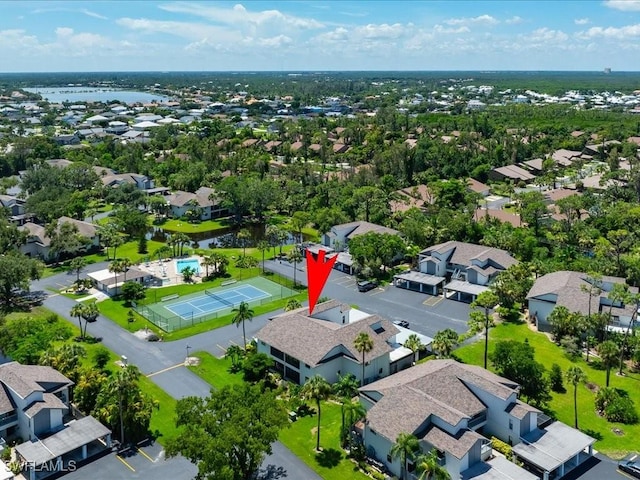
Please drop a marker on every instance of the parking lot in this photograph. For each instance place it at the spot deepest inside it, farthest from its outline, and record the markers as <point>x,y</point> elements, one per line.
<point>141,462</point>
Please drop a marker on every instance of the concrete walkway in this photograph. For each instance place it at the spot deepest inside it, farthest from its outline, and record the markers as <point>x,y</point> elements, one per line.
<point>163,362</point>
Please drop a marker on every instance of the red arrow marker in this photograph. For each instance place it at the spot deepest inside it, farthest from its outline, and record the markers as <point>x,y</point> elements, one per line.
<point>317,274</point>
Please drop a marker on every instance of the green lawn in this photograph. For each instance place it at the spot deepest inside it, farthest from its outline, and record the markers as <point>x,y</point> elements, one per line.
<point>177,225</point>
<point>300,438</point>
<point>215,371</point>
<point>561,405</point>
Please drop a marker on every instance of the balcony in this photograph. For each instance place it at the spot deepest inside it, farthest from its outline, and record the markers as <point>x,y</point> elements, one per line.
<point>7,419</point>
<point>477,420</point>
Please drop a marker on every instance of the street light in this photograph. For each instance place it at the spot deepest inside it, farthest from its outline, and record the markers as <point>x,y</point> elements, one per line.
<point>188,348</point>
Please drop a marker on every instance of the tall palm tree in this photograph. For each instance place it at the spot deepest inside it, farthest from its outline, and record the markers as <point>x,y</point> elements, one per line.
<point>428,468</point>
<point>125,263</point>
<point>116,267</point>
<point>295,257</point>
<point>208,261</point>
<point>242,313</point>
<point>414,344</point>
<point>345,389</point>
<point>89,315</point>
<point>608,351</point>
<point>318,389</point>
<point>479,321</point>
<point>405,449</point>
<point>181,239</point>
<point>263,246</point>
<point>77,311</point>
<point>242,236</point>
<point>353,410</point>
<point>363,344</point>
<point>575,375</point>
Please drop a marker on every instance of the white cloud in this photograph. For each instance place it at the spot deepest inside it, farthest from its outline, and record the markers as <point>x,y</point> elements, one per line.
<point>624,5</point>
<point>89,13</point>
<point>515,20</point>
<point>384,30</point>
<point>544,34</point>
<point>581,21</point>
<point>621,33</point>
<point>485,20</point>
<point>450,31</point>
<point>84,11</point>
<point>64,31</point>
<point>190,30</point>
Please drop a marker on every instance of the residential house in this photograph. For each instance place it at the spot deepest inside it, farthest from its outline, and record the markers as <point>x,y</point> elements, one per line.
<point>322,343</point>
<point>203,201</point>
<point>571,290</point>
<point>67,139</point>
<point>39,244</point>
<point>34,400</point>
<point>141,182</point>
<point>478,187</point>
<point>468,268</point>
<point>418,196</point>
<point>338,239</point>
<point>14,207</point>
<point>511,173</point>
<point>454,409</point>
<point>110,282</point>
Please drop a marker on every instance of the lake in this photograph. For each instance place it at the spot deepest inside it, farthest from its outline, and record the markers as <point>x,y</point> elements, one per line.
<point>91,94</point>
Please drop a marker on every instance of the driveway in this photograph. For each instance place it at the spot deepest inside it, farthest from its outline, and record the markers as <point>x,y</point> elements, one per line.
<point>162,363</point>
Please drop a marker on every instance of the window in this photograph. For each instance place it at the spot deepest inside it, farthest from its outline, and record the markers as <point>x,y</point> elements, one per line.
<point>389,458</point>
<point>294,362</point>
<point>380,371</point>
<point>373,431</point>
<point>307,365</point>
<point>510,424</point>
<point>277,353</point>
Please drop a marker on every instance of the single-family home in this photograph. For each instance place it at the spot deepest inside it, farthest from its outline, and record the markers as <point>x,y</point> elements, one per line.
<point>478,187</point>
<point>419,196</point>
<point>339,235</point>
<point>303,345</point>
<point>468,269</point>
<point>511,173</point>
<point>14,207</point>
<point>571,290</point>
<point>34,401</point>
<point>141,182</point>
<point>39,244</point>
<point>453,409</point>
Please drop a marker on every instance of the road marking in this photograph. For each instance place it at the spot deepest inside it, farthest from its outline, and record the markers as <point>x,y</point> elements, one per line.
<point>145,455</point>
<point>181,364</point>
<point>377,292</point>
<point>433,301</point>
<point>125,463</point>
<point>221,348</point>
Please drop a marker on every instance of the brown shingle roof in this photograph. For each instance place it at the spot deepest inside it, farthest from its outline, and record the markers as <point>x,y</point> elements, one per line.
<point>464,253</point>
<point>49,401</point>
<point>26,379</point>
<point>457,445</point>
<point>6,404</point>
<point>520,409</point>
<point>310,340</point>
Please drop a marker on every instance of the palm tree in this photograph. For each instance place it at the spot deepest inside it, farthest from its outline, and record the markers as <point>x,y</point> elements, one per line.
<point>77,311</point>
<point>353,410</point>
<point>125,263</point>
<point>76,265</point>
<point>208,261</point>
<point>180,239</point>
<point>428,467</point>
<point>89,315</point>
<point>263,246</point>
<point>295,257</point>
<point>575,375</point>
<point>608,351</point>
<point>242,236</point>
<point>243,312</point>
<point>292,304</point>
<point>445,341</point>
<point>487,300</point>
<point>363,344</point>
<point>234,352</point>
<point>318,389</point>
<point>220,261</point>
<point>345,389</point>
<point>414,344</point>
<point>405,449</point>
<point>116,267</point>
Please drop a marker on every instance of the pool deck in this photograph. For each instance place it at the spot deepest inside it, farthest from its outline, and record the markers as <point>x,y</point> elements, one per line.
<point>166,269</point>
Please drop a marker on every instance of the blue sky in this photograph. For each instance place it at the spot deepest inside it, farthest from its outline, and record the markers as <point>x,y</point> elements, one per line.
<point>319,35</point>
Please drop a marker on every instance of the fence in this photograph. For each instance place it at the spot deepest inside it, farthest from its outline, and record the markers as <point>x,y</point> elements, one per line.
<point>160,316</point>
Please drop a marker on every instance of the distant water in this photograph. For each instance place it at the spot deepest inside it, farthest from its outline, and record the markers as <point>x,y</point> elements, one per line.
<point>90,94</point>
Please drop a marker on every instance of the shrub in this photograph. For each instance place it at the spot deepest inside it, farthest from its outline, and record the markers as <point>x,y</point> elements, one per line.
<point>378,475</point>
<point>616,406</point>
<point>101,357</point>
<point>571,347</point>
<point>502,447</point>
<point>555,378</point>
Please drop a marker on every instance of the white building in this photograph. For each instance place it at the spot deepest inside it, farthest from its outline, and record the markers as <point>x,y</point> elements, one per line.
<point>455,408</point>
<point>304,345</point>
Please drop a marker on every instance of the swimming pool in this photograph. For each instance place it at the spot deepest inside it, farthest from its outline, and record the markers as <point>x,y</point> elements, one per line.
<point>188,262</point>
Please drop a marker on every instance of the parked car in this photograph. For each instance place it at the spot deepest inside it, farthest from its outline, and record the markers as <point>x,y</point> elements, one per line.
<point>631,465</point>
<point>401,323</point>
<point>366,285</point>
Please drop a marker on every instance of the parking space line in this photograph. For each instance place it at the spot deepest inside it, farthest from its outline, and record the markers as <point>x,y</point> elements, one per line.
<point>125,463</point>
<point>165,370</point>
<point>378,291</point>
<point>145,455</point>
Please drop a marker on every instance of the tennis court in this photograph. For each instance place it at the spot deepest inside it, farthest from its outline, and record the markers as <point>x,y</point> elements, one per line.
<point>211,302</point>
<point>173,312</point>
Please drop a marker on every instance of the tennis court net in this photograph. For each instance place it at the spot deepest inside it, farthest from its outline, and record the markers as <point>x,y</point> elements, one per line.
<point>220,299</point>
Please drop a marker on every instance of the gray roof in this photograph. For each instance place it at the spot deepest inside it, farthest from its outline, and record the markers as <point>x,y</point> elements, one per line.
<point>553,446</point>
<point>520,409</point>
<point>25,379</point>
<point>439,388</point>
<point>76,434</point>
<point>466,287</point>
<point>362,227</point>
<point>309,339</point>
<point>49,401</point>
<point>457,445</point>
<point>514,172</point>
<point>497,468</point>
<point>418,277</point>
<point>6,403</point>
<point>567,287</point>
<point>463,253</point>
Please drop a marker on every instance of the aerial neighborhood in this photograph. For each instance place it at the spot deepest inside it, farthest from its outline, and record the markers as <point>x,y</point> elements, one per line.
<point>479,322</point>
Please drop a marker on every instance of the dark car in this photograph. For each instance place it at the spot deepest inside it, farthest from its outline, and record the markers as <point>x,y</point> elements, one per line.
<point>401,323</point>
<point>631,465</point>
<point>366,285</point>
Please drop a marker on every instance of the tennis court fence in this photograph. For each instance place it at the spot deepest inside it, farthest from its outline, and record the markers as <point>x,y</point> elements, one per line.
<point>163,318</point>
